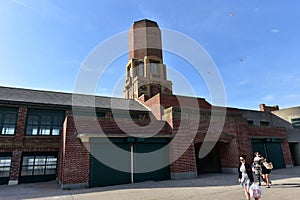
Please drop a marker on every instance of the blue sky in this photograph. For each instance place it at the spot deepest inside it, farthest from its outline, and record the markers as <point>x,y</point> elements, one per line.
<point>255,44</point>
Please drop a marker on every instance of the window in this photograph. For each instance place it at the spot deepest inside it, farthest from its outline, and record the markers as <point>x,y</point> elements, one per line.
<point>8,120</point>
<point>100,114</point>
<point>141,69</point>
<point>264,123</point>
<point>130,72</point>
<point>44,122</point>
<point>5,166</point>
<point>39,165</point>
<point>251,122</point>
<point>296,122</point>
<point>127,115</point>
<point>154,68</point>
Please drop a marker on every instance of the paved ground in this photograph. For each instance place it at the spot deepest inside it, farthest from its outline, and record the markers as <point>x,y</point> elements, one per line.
<point>286,186</point>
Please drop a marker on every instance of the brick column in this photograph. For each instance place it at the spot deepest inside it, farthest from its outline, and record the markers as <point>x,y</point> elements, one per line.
<point>74,158</point>
<point>21,124</point>
<point>15,168</point>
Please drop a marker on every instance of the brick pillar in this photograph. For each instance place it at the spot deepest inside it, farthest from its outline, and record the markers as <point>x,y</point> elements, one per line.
<point>21,124</point>
<point>74,161</point>
<point>15,168</point>
<point>185,166</point>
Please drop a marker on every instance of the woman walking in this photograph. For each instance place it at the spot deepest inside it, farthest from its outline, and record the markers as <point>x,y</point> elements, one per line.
<point>265,172</point>
<point>245,175</point>
<point>257,167</point>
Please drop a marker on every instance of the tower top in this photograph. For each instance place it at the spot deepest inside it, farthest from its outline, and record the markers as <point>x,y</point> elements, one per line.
<point>144,23</point>
<point>146,74</point>
<point>144,40</point>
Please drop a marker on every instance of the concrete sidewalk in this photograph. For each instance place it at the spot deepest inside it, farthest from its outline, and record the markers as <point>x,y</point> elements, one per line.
<point>286,185</point>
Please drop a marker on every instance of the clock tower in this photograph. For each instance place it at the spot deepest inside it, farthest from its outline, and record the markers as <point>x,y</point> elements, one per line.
<point>146,73</point>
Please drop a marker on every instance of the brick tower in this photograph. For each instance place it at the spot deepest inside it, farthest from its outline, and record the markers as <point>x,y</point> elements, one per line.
<point>145,72</point>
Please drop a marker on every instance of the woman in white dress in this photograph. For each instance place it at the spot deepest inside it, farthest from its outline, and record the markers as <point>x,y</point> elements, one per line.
<point>245,175</point>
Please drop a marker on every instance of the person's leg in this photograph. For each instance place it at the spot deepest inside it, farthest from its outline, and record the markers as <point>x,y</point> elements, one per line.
<point>257,178</point>
<point>247,194</point>
<point>268,180</point>
<point>264,178</point>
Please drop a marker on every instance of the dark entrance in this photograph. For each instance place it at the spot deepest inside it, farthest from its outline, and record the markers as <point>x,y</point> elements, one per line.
<point>293,149</point>
<point>210,163</point>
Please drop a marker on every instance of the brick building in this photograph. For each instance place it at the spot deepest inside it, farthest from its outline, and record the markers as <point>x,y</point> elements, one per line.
<point>47,135</point>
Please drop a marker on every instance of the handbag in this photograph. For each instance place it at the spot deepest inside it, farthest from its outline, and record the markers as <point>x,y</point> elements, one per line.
<point>255,191</point>
<point>268,165</point>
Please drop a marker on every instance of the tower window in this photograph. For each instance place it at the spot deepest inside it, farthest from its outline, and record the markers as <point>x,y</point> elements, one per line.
<point>141,69</point>
<point>130,72</point>
<point>154,68</point>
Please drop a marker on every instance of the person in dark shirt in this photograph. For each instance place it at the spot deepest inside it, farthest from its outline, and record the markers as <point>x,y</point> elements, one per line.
<point>265,172</point>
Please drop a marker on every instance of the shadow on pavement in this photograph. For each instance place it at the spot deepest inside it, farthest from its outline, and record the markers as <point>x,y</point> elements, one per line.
<point>51,189</point>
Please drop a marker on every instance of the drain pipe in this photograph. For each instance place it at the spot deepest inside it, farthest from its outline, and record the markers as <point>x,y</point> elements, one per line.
<point>131,164</point>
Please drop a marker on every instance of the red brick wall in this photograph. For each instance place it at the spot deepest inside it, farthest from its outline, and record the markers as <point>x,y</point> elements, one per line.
<point>274,132</point>
<point>21,123</point>
<point>19,143</point>
<point>15,165</point>
<point>186,162</point>
<point>155,105</point>
<point>286,152</point>
<point>74,158</point>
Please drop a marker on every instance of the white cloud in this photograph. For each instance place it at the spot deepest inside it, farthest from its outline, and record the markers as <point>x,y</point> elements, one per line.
<point>267,97</point>
<point>22,4</point>
<point>256,9</point>
<point>291,96</point>
<point>274,31</point>
<point>243,82</point>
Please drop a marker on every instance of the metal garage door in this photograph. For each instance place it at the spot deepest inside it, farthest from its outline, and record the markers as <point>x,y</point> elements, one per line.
<point>103,175</point>
<point>271,148</point>
<point>144,161</point>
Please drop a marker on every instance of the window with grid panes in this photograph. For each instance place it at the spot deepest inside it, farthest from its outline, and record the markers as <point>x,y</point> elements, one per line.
<point>41,122</point>
<point>8,120</point>
<point>39,165</point>
<point>5,166</point>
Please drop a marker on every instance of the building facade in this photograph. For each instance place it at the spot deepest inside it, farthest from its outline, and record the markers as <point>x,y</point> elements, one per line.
<point>290,119</point>
<point>48,135</point>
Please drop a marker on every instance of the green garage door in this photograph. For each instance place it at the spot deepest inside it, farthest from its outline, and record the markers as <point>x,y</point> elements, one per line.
<point>275,155</point>
<point>103,175</point>
<point>152,161</point>
<point>271,148</point>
